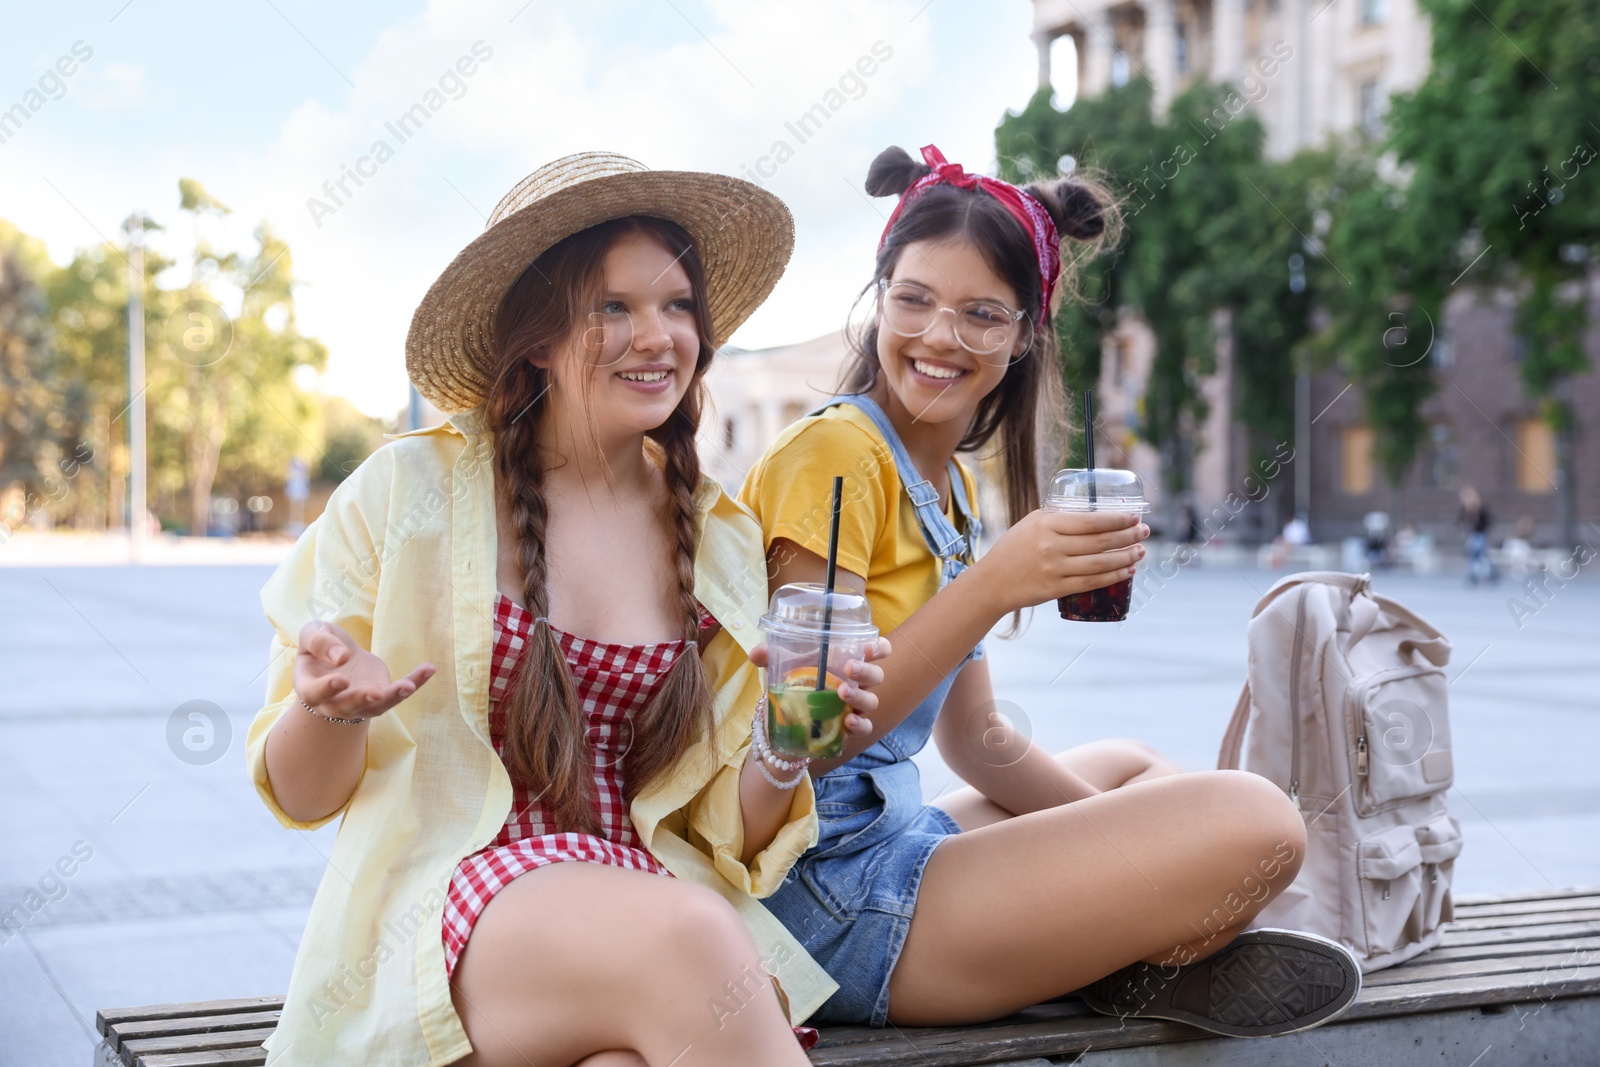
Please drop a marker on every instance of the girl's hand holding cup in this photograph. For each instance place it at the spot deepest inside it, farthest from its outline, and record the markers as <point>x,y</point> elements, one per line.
<point>1055,554</point>
<point>861,676</point>
<point>338,678</point>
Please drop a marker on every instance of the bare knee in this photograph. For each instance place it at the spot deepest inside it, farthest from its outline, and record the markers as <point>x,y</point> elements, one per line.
<point>698,929</point>
<point>1266,828</point>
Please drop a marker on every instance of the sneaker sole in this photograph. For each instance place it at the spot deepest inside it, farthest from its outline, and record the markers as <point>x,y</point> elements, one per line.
<point>1264,983</point>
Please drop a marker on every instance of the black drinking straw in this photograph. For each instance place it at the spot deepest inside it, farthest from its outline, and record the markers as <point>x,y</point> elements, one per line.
<point>827,596</point>
<point>1088,438</point>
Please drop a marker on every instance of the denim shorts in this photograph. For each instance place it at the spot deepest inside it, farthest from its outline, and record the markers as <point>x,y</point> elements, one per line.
<point>849,900</point>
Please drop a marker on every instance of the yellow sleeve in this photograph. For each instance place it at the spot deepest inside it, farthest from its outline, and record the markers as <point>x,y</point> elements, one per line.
<point>715,816</point>
<point>791,490</point>
<point>332,574</point>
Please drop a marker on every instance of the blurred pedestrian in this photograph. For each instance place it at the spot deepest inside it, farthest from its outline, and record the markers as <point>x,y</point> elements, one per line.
<point>1474,517</point>
<point>1377,527</point>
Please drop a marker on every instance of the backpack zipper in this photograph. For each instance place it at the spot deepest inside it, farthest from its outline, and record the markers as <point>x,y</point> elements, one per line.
<point>1294,698</point>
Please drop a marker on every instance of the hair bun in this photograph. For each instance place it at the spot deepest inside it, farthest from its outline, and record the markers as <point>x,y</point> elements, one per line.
<point>893,172</point>
<point>1077,208</point>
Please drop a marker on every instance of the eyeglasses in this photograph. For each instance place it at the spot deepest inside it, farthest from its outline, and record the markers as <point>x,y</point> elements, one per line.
<point>986,328</point>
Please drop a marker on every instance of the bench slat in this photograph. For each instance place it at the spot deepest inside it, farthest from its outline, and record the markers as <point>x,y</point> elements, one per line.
<point>231,1039</point>
<point>1529,907</point>
<point>1590,916</point>
<point>137,1029</point>
<point>1510,935</point>
<point>1028,1033</point>
<point>230,1057</point>
<point>1558,963</point>
<point>106,1017</point>
<point>1471,991</point>
<point>1477,899</point>
<point>1513,948</point>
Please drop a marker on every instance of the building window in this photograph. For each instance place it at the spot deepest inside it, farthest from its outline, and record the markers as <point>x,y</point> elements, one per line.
<point>1119,68</point>
<point>1443,352</point>
<point>1443,461</point>
<point>1180,48</point>
<point>1536,456</point>
<point>1369,108</point>
<point>1374,12</point>
<point>1355,460</point>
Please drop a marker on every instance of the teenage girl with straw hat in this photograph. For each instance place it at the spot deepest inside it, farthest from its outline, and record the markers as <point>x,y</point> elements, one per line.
<point>577,606</point>
<point>1100,864</point>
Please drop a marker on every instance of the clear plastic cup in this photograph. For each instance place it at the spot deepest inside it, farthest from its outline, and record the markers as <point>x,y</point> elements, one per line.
<point>1099,489</point>
<point>803,720</point>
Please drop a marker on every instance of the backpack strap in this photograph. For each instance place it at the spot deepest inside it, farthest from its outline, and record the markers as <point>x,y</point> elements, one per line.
<point>1350,583</point>
<point>1233,740</point>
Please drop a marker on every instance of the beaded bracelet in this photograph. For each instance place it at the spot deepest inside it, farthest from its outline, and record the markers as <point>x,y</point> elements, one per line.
<point>327,718</point>
<point>764,753</point>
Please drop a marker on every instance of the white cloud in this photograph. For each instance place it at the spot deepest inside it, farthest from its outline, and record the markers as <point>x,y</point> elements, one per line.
<point>626,76</point>
<point>111,87</point>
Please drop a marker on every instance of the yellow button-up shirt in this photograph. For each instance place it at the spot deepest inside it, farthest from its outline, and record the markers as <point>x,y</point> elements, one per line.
<point>404,559</point>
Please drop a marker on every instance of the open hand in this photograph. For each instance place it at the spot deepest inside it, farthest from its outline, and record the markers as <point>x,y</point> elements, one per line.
<point>861,675</point>
<point>341,679</point>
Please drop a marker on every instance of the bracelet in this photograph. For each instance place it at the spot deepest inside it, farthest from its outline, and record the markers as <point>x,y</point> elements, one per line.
<point>764,753</point>
<point>327,718</point>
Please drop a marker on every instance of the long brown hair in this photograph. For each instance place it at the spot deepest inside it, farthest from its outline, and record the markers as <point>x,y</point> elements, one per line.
<point>1024,414</point>
<point>546,744</point>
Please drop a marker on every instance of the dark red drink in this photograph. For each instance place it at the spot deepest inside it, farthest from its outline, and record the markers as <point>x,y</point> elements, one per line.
<point>1099,605</point>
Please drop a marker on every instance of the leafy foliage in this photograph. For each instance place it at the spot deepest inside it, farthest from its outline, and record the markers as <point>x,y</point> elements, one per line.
<point>1211,226</point>
<point>222,351</point>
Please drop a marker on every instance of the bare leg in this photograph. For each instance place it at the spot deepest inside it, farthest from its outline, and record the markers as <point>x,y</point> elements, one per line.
<point>583,963</point>
<point>1035,906</point>
<point>1108,764</point>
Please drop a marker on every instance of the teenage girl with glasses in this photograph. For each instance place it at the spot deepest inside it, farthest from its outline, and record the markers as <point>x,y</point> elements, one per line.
<point>1099,864</point>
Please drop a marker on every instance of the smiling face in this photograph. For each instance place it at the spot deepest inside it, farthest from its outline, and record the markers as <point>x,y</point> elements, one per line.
<point>933,376</point>
<point>627,367</point>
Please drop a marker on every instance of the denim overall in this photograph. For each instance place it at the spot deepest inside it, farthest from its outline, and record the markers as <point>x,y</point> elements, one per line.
<point>849,900</point>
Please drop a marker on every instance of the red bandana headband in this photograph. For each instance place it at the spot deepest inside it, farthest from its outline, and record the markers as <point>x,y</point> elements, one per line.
<point>1025,209</point>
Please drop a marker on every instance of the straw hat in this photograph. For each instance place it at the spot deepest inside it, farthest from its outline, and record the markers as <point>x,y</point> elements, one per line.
<point>743,233</point>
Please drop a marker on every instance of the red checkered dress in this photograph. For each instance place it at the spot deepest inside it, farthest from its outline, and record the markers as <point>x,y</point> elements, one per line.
<point>614,681</point>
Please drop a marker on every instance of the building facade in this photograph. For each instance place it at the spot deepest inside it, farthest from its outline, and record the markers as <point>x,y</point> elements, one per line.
<point>1310,69</point>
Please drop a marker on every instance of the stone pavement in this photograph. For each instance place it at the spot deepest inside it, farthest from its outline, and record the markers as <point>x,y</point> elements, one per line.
<point>147,870</point>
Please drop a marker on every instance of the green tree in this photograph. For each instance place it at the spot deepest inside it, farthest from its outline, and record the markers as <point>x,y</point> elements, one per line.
<point>1497,143</point>
<point>229,378</point>
<point>1211,226</point>
<point>348,436</point>
<point>30,428</point>
<point>88,372</point>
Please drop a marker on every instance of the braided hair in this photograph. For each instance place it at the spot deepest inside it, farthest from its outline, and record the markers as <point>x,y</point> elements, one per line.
<point>546,745</point>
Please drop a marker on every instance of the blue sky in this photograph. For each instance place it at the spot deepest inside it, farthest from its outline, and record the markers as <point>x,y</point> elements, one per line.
<point>264,101</point>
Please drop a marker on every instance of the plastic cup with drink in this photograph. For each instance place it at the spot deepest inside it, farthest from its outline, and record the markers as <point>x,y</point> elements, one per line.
<point>1089,490</point>
<point>805,625</point>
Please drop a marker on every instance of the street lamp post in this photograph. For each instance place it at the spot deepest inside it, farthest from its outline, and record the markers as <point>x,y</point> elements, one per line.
<point>137,507</point>
<point>1302,410</point>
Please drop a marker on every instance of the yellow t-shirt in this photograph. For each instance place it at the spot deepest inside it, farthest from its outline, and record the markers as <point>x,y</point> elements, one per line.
<point>790,490</point>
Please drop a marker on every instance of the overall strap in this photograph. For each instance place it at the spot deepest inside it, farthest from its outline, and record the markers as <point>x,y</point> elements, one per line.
<point>949,545</point>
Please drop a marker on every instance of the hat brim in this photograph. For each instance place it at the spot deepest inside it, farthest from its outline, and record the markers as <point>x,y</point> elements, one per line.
<point>743,233</point>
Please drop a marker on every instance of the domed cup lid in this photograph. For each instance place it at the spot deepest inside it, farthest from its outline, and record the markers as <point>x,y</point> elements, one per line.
<point>799,609</point>
<point>1099,489</point>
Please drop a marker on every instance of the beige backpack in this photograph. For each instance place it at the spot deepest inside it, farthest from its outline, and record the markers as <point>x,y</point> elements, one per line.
<point>1345,711</point>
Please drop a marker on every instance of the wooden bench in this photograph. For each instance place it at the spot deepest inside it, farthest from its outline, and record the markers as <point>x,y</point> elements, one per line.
<point>1518,972</point>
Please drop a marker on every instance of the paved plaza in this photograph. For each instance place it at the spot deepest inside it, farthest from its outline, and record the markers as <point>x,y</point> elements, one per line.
<point>182,887</point>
